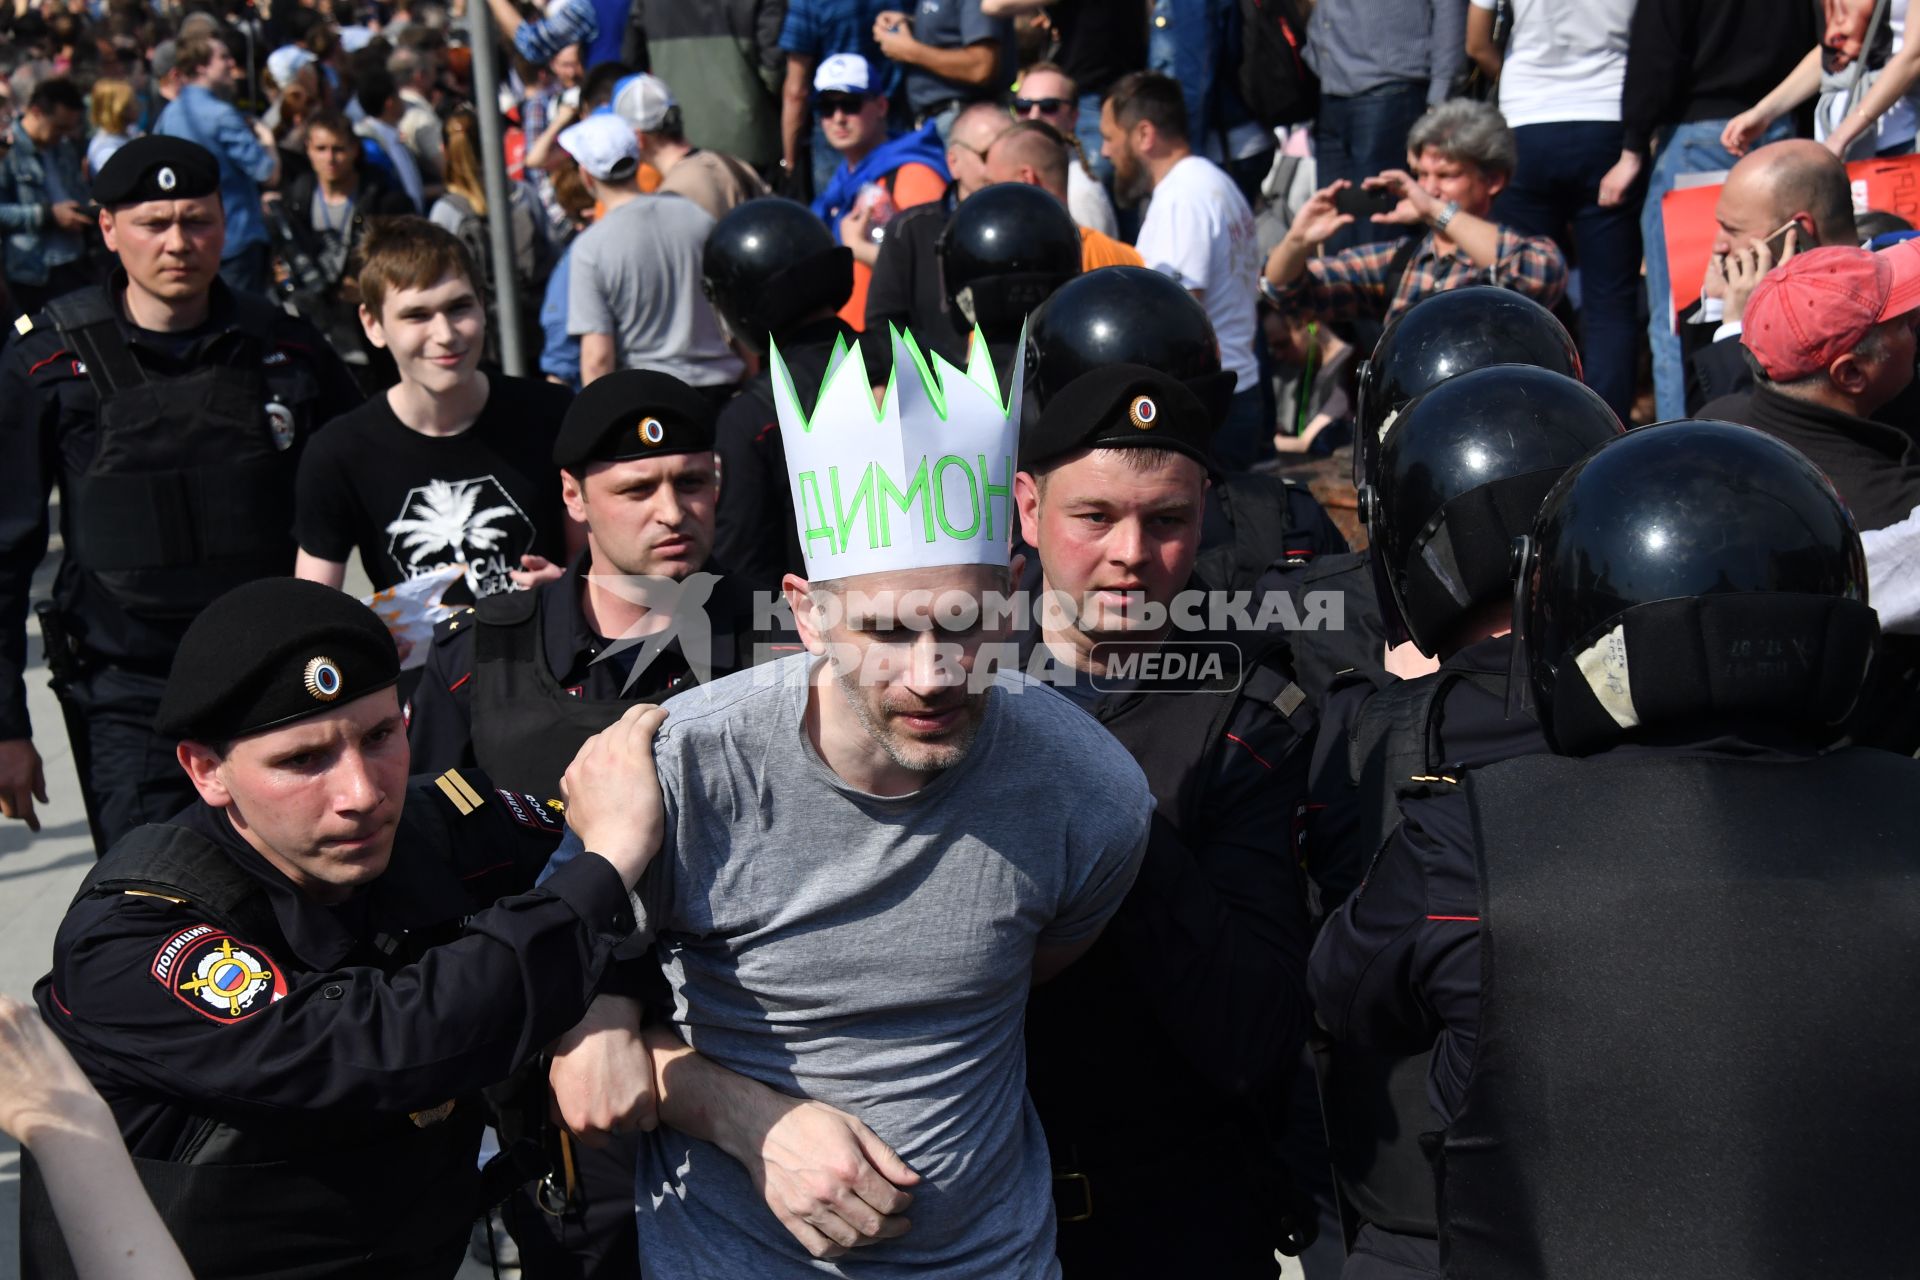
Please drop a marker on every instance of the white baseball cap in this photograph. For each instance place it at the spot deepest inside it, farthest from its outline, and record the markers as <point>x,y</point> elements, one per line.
<point>843,73</point>
<point>643,101</point>
<point>604,146</point>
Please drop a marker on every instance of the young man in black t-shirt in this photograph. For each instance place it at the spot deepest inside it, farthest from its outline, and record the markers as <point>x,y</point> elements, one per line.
<point>451,465</point>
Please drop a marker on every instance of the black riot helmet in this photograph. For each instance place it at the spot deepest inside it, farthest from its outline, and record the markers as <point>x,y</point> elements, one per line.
<point>1125,315</point>
<point>1445,335</point>
<point>1004,251</point>
<point>769,263</point>
<point>1458,478</point>
<point>1693,578</point>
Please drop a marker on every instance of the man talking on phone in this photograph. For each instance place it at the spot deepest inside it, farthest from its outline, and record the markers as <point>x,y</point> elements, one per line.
<point>1462,154</point>
<point>1780,200</point>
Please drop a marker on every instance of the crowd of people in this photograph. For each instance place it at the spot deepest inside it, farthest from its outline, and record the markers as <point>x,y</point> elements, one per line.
<point>1025,637</point>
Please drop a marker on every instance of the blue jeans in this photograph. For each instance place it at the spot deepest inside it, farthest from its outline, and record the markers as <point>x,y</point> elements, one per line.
<point>1556,187</point>
<point>1684,148</point>
<point>1356,138</point>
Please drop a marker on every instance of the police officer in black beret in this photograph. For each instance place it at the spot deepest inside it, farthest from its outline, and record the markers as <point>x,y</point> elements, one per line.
<point>1458,478</point>
<point>516,685</point>
<point>1662,971</point>
<point>291,993</point>
<point>170,411</point>
<point>1194,996</point>
<point>1133,315</point>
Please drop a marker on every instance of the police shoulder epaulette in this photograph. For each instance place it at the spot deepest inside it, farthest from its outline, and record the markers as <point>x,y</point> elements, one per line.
<point>459,792</point>
<point>447,630</point>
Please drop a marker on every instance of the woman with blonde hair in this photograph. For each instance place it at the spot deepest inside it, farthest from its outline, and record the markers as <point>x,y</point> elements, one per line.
<point>463,211</point>
<point>113,110</point>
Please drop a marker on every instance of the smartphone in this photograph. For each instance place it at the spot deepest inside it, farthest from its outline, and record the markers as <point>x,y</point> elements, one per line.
<point>1778,240</point>
<point>1363,202</point>
<point>571,98</point>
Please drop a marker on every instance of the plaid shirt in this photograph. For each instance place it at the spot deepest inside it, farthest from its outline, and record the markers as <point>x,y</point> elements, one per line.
<point>1354,283</point>
<point>572,23</point>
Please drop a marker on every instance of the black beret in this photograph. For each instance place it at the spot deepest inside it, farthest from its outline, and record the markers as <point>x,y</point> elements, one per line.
<point>1119,406</point>
<point>156,167</point>
<point>272,652</point>
<point>633,413</point>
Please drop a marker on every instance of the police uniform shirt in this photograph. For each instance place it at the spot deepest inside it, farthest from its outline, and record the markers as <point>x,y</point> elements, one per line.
<point>440,714</point>
<point>172,1016</point>
<point>50,429</point>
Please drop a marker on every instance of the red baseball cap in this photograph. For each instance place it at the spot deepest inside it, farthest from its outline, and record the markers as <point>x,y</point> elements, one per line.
<point>1818,305</point>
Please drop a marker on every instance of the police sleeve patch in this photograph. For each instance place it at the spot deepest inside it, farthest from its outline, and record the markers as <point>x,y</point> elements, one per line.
<point>217,975</point>
<point>530,813</point>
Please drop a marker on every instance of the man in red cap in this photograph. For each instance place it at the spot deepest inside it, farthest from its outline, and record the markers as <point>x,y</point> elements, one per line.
<point>1830,333</point>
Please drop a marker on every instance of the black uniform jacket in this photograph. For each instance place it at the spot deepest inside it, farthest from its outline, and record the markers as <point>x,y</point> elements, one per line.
<point>273,1030</point>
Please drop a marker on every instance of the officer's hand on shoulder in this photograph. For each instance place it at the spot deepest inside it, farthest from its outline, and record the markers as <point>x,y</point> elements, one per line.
<point>613,794</point>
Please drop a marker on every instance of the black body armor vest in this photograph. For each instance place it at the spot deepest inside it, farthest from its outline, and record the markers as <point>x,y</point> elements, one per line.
<point>190,490</point>
<point>526,727</point>
<point>1698,1021</point>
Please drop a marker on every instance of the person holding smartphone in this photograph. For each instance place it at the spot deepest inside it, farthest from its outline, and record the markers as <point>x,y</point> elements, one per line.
<point>1463,153</point>
<point>1778,201</point>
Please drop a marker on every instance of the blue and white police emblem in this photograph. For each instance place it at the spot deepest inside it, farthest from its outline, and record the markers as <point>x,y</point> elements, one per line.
<point>217,975</point>
<point>165,179</point>
<point>323,679</point>
<point>280,425</point>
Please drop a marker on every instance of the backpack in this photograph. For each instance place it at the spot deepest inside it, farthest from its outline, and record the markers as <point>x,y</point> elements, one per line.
<point>1275,81</point>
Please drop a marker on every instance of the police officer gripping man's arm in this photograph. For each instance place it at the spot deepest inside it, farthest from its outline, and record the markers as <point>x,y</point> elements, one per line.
<point>1662,969</point>
<point>1209,944</point>
<point>170,410</point>
<point>289,994</point>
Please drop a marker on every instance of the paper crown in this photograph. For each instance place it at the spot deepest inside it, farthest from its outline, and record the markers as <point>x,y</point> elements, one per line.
<point>923,479</point>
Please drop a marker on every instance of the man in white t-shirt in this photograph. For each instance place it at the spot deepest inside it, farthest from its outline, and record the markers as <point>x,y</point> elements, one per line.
<point>1199,230</point>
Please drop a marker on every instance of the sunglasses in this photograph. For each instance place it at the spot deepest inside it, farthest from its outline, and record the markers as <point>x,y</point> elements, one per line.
<point>1046,106</point>
<point>829,105</point>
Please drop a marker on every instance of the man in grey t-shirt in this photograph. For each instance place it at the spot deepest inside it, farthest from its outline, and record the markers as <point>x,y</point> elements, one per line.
<point>634,293</point>
<point>871,854</point>
<point>841,926</point>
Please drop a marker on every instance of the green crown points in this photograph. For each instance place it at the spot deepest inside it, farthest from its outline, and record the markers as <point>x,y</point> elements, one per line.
<point>921,477</point>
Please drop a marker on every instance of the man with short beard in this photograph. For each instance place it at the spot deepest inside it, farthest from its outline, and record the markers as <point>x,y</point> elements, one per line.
<point>867,863</point>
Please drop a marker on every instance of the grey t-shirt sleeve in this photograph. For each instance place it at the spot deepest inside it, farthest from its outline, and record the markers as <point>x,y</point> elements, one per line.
<point>1109,875</point>
<point>587,310</point>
